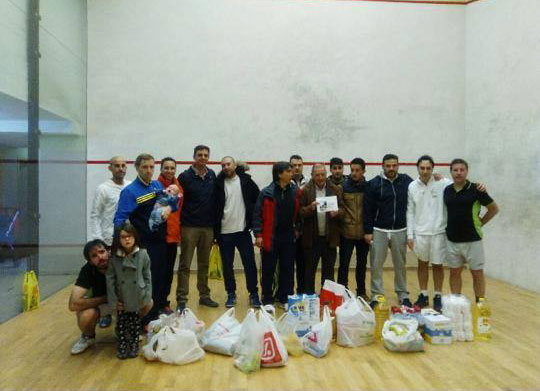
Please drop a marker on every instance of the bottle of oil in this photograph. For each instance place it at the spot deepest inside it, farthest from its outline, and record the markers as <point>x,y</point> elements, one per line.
<point>482,320</point>
<point>381,315</point>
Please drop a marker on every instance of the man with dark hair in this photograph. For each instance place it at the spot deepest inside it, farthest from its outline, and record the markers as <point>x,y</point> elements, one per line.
<point>275,224</point>
<point>235,197</point>
<point>463,201</point>
<point>299,180</point>
<point>89,294</point>
<point>385,224</point>
<point>336,168</point>
<point>320,233</point>
<point>352,227</point>
<point>197,220</point>
<point>426,223</point>
<point>136,204</point>
<point>297,164</point>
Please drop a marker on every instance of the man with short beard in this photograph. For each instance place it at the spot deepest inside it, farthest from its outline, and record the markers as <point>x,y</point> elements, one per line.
<point>235,197</point>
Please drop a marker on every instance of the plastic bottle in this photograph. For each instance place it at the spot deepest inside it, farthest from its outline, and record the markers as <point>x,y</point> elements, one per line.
<point>482,320</point>
<point>381,315</point>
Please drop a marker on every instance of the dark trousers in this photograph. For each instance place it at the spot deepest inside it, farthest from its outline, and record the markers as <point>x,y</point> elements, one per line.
<point>172,250</point>
<point>243,242</point>
<point>128,325</point>
<point>319,249</point>
<point>282,253</point>
<point>300,266</point>
<point>345,252</point>
<point>157,251</point>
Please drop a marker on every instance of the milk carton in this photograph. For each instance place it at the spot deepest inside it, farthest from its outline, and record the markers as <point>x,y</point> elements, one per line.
<point>437,328</point>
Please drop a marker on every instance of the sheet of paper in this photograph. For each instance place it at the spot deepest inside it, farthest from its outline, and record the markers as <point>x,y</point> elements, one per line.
<point>327,204</point>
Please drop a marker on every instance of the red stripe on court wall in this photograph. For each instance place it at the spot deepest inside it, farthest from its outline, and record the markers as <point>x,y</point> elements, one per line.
<point>434,2</point>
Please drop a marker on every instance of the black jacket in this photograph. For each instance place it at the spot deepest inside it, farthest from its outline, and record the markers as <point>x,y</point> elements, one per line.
<point>197,208</point>
<point>385,203</point>
<point>250,192</point>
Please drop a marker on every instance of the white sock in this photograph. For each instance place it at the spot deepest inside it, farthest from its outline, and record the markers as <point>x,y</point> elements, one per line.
<point>437,293</point>
<point>424,292</point>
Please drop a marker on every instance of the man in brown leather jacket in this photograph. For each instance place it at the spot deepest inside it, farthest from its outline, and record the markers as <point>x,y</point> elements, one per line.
<point>320,234</point>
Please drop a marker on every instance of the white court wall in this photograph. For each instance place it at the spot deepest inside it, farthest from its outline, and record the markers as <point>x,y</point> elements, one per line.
<point>263,79</point>
<point>503,130</point>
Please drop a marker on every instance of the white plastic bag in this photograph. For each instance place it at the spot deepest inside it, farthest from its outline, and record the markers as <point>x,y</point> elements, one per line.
<point>458,309</point>
<point>173,346</point>
<point>274,352</point>
<point>287,326</point>
<point>401,335</point>
<point>317,341</point>
<point>248,348</point>
<point>222,334</point>
<point>187,320</point>
<point>164,320</point>
<point>355,322</point>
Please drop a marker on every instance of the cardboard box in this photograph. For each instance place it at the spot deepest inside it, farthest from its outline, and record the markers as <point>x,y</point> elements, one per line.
<point>437,329</point>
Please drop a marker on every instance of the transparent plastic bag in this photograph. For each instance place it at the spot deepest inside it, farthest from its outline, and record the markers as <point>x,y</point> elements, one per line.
<point>248,348</point>
<point>274,351</point>
<point>317,341</point>
<point>355,322</point>
<point>222,334</point>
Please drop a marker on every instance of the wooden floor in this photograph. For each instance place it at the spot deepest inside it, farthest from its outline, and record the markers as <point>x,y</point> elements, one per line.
<point>35,355</point>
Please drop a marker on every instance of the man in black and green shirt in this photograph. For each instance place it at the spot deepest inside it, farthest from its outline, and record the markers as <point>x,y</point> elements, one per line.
<point>464,227</point>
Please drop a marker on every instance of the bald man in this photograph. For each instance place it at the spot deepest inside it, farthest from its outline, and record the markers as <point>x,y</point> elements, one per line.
<point>103,210</point>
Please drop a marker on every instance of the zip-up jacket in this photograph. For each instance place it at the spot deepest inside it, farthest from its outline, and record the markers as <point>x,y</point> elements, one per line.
<point>426,214</point>
<point>173,222</point>
<point>197,210</point>
<point>136,203</point>
<point>352,223</point>
<point>250,193</point>
<point>266,212</point>
<point>385,203</point>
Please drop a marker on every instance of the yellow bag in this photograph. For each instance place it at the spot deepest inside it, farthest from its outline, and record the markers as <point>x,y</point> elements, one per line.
<point>30,290</point>
<point>215,266</point>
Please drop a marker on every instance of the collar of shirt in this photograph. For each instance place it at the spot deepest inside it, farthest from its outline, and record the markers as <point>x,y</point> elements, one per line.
<point>197,174</point>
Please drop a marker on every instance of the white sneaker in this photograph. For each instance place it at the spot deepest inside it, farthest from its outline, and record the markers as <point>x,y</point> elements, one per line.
<point>82,344</point>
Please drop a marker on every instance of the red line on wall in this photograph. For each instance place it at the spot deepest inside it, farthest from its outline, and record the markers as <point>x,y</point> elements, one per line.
<point>432,2</point>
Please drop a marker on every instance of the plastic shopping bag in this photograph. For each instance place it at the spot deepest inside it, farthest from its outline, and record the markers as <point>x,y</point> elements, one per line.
<point>215,266</point>
<point>317,341</point>
<point>307,309</point>
<point>248,348</point>
<point>30,290</point>
<point>332,295</point>
<point>173,346</point>
<point>274,351</point>
<point>355,322</point>
<point>189,321</point>
<point>287,326</point>
<point>401,335</point>
<point>222,334</point>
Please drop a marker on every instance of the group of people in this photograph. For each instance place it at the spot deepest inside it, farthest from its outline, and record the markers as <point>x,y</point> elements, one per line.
<point>137,228</point>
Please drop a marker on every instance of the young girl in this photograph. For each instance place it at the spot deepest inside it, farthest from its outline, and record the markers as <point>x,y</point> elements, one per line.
<point>129,288</point>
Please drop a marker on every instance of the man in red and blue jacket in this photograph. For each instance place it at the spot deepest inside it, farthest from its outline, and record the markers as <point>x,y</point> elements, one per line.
<point>275,225</point>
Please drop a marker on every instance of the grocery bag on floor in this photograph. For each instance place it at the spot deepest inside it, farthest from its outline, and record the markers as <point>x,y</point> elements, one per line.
<point>401,335</point>
<point>173,346</point>
<point>458,309</point>
<point>332,295</point>
<point>287,326</point>
<point>222,334</point>
<point>317,341</point>
<point>189,321</point>
<point>215,265</point>
<point>30,289</point>
<point>248,348</point>
<point>274,352</point>
<point>307,309</point>
<point>355,322</point>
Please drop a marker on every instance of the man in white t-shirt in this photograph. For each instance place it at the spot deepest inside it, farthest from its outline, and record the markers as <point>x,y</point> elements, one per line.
<point>426,223</point>
<point>104,207</point>
<point>235,197</point>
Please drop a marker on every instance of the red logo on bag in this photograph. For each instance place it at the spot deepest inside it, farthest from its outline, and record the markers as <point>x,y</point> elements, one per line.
<point>270,353</point>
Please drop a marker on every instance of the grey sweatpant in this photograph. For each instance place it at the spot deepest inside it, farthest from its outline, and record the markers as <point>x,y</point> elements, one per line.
<point>377,255</point>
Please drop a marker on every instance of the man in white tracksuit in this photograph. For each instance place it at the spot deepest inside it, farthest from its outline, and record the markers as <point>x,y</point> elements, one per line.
<point>426,223</point>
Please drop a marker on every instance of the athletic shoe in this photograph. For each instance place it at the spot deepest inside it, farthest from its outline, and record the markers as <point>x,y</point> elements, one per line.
<point>122,355</point>
<point>105,321</point>
<point>231,300</point>
<point>406,302</point>
<point>180,307</point>
<point>254,300</point>
<point>208,302</point>
<point>422,301</point>
<point>437,303</point>
<point>82,344</point>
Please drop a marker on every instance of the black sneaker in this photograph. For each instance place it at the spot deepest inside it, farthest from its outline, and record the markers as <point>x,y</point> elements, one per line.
<point>437,303</point>
<point>208,302</point>
<point>406,302</point>
<point>180,307</point>
<point>231,300</point>
<point>254,301</point>
<point>422,301</point>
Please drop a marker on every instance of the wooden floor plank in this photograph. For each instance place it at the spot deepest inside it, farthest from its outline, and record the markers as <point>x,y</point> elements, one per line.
<point>35,355</point>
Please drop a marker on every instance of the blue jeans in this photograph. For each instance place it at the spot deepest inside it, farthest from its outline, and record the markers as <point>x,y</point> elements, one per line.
<point>345,252</point>
<point>243,242</point>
